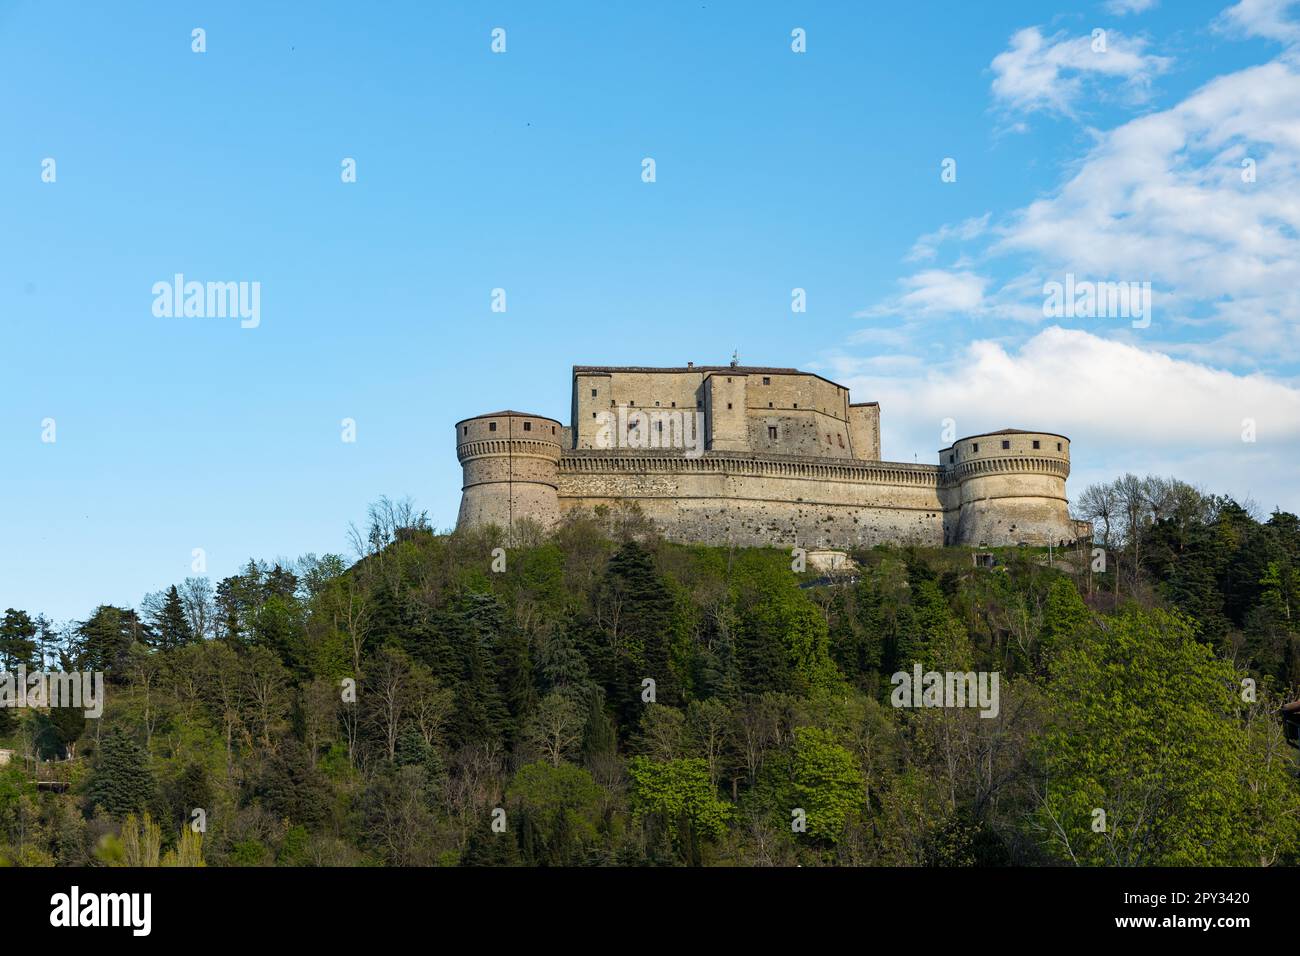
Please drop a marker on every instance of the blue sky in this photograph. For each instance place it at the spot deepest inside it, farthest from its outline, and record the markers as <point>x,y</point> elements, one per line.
<point>522,171</point>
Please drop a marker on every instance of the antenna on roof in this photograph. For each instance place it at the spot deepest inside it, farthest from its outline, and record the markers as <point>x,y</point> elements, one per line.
<point>735,357</point>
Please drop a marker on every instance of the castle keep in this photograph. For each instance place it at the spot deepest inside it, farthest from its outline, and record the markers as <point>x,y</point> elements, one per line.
<point>756,456</point>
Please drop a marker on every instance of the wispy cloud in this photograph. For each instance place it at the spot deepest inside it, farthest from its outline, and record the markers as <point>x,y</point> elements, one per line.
<point>1261,18</point>
<point>934,292</point>
<point>964,231</point>
<point>1052,74</point>
<point>1123,7</point>
<point>1202,200</point>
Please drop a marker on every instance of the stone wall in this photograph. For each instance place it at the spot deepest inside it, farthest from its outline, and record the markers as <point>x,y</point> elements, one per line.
<point>789,462</point>
<point>510,462</point>
<point>739,499</point>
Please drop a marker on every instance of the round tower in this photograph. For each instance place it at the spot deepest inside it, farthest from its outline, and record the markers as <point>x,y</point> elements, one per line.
<point>1010,488</point>
<point>511,464</point>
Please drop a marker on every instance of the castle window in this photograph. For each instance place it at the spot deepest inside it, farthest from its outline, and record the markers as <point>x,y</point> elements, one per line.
<point>465,430</point>
<point>951,459</point>
<point>796,404</point>
<point>656,404</point>
<point>659,426</point>
<point>674,404</point>
<point>766,380</point>
<point>975,447</point>
<point>771,432</point>
<point>1035,443</point>
<point>593,393</point>
<point>528,426</point>
<point>1005,443</point>
<point>728,380</point>
<point>492,426</point>
<point>728,404</point>
<point>840,439</point>
<point>593,414</point>
<point>698,403</point>
<point>769,404</point>
<point>1058,446</point>
<point>633,404</point>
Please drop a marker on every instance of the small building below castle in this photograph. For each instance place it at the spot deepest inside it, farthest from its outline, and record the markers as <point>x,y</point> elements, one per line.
<point>756,456</point>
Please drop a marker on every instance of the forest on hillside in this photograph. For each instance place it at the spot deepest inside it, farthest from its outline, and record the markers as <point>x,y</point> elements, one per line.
<point>448,699</point>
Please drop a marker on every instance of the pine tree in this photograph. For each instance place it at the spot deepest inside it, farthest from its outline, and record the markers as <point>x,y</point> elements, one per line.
<point>639,604</point>
<point>476,623</point>
<point>171,625</point>
<point>104,638</point>
<point>121,783</point>
<point>17,640</point>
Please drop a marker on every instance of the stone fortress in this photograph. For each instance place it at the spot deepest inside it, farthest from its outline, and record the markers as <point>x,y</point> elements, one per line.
<point>732,454</point>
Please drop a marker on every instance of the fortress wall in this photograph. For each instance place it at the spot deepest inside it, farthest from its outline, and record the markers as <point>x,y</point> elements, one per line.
<point>499,505</point>
<point>864,430</point>
<point>646,388</point>
<point>799,433</point>
<point>802,392</point>
<point>586,406</point>
<point>755,503</point>
<point>727,415</point>
<point>1014,507</point>
<point>770,476</point>
<point>1012,488</point>
<point>511,469</point>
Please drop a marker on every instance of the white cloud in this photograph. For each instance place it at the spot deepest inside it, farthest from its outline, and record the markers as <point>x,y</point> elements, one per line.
<point>1053,73</point>
<point>1124,407</point>
<point>964,231</point>
<point>1261,18</point>
<point>1162,199</point>
<point>1202,200</point>
<point>1122,7</point>
<point>934,292</point>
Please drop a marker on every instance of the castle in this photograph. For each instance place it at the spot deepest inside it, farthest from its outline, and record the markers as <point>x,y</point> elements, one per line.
<point>732,454</point>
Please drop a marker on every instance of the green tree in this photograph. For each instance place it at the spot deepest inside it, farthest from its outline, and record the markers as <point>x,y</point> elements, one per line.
<point>121,782</point>
<point>782,639</point>
<point>679,797</point>
<point>1064,616</point>
<point>555,810</point>
<point>825,782</point>
<point>17,640</point>
<point>1147,731</point>
<point>105,638</point>
<point>635,609</point>
<point>171,625</point>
